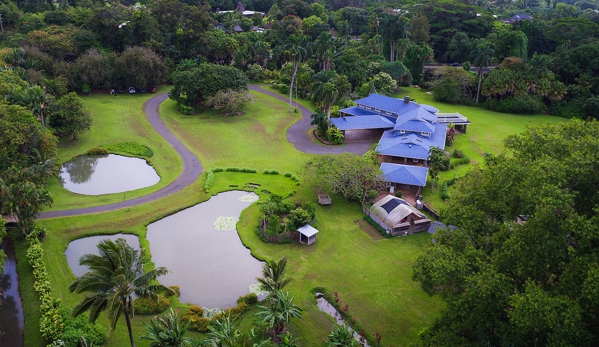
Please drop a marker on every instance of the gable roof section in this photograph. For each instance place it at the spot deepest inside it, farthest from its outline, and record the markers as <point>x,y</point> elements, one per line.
<point>411,145</point>
<point>307,230</point>
<point>416,125</point>
<point>404,174</point>
<point>356,111</point>
<point>387,103</point>
<point>362,122</point>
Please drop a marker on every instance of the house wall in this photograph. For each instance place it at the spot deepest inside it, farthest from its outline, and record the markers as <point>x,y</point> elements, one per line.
<point>363,135</point>
<point>401,160</point>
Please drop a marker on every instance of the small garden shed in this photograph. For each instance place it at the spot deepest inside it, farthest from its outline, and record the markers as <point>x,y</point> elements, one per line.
<point>307,234</point>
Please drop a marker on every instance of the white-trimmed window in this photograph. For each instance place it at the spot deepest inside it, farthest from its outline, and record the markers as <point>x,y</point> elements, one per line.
<point>426,134</point>
<point>402,131</point>
<point>415,160</point>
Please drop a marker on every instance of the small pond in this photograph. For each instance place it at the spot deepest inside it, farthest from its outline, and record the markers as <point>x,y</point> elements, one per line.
<point>11,308</point>
<point>326,306</point>
<point>106,174</point>
<point>202,249</point>
<point>87,245</point>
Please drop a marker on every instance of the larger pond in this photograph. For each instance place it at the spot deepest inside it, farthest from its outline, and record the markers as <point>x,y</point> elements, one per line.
<point>106,174</point>
<point>202,249</point>
<point>11,308</point>
<point>88,245</point>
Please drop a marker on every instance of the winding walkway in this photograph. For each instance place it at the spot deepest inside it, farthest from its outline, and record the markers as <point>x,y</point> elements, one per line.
<point>298,134</point>
<point>191,168</point>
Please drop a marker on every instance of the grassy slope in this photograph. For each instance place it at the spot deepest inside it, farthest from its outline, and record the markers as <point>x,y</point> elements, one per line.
<point>116,119</point>
<point>485,134</point>
<point>372,277</point>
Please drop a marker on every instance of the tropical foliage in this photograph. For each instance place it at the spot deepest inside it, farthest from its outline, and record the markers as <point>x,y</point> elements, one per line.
<point>114,276</point>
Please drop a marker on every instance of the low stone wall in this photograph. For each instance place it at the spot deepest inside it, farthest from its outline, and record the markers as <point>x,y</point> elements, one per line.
<point>430,211</point>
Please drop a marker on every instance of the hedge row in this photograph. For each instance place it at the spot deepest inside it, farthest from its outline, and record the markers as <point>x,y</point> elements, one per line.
<point>51,322</point>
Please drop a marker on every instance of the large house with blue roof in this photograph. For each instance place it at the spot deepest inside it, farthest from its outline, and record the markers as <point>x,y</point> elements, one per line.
<point>408,129</point>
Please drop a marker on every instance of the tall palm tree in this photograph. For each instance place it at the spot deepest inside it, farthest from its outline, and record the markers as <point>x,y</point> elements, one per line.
<point>273,276</point>
<point>279,313</point>
<point>324,50</point>
<point>393,28</point>
<point>482,58</point>
<point>324,90</point>
<point>224,332</point>
<point>166,331</point>
<point>344,30</point>
<point>114,276</point>
<point>296,47</point>
<point>342,336</point>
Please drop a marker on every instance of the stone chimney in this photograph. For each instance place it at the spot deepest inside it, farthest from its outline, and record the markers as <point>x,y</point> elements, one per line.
<point>406,100</point>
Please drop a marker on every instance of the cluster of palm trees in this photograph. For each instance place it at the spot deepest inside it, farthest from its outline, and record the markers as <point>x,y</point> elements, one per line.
<point>117,274</point>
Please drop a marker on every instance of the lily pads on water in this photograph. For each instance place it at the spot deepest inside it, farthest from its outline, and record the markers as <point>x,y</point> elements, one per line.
<point>225,223</point>
<point>248,198</point>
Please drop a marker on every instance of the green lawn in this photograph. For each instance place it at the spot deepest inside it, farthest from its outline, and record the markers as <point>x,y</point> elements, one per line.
<point>485,134</point>
<point>116,119</point>
<point>371,276</point>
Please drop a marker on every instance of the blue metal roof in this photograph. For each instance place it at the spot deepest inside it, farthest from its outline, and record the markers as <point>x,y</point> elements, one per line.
<point>415,125</point>
<point>362,122</point>
<point>405,174</point>
<point>411,145</point>
<point>429,108</point>
<point>387,103</point>
<point>356,111</point>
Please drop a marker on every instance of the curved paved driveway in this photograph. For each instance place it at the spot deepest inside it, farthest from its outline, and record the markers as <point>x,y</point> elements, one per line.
<point>191,167</point>
<point>298,133</point>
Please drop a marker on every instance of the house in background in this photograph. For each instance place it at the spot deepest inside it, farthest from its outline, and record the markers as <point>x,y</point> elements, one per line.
<point>407,132</point>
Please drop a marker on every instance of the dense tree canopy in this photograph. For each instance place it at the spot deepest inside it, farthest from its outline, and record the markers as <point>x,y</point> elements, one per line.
<point>528,282</point>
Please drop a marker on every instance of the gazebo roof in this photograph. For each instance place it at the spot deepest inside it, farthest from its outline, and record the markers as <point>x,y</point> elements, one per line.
<point>307,230</point>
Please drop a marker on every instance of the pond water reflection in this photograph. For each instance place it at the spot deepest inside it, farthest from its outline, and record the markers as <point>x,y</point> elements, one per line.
<point>212,267</point>
<point>106,174</point>
<point>11,308</point>
<point>87,245</point>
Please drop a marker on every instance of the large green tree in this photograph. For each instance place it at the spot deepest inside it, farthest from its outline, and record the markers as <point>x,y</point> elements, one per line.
<point>114,276</point>
<point>191,85</point>
<point>521,267</point>
<point>71,116</point>
<point>347,174</point>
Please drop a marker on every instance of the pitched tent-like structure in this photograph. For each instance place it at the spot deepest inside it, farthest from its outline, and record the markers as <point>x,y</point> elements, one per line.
<point>394,211</point>
<point>307,234</point>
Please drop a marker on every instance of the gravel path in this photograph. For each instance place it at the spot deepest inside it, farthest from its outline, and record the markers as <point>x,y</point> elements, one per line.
<point>191,168</point>
<point>299,134</point>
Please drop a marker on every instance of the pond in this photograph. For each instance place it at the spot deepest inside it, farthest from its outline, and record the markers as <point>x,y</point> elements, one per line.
<point>106,174</point>
<point>202,249</point>
<point>87,245</point>
<point>11,308</point>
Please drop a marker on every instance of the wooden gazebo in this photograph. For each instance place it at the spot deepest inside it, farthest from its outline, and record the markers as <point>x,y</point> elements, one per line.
<point>307,234</point>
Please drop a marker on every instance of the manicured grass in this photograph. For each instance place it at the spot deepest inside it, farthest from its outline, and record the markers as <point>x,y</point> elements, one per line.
<point>116,119</point>
<point>485,134</point>
<point>372,277</point>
